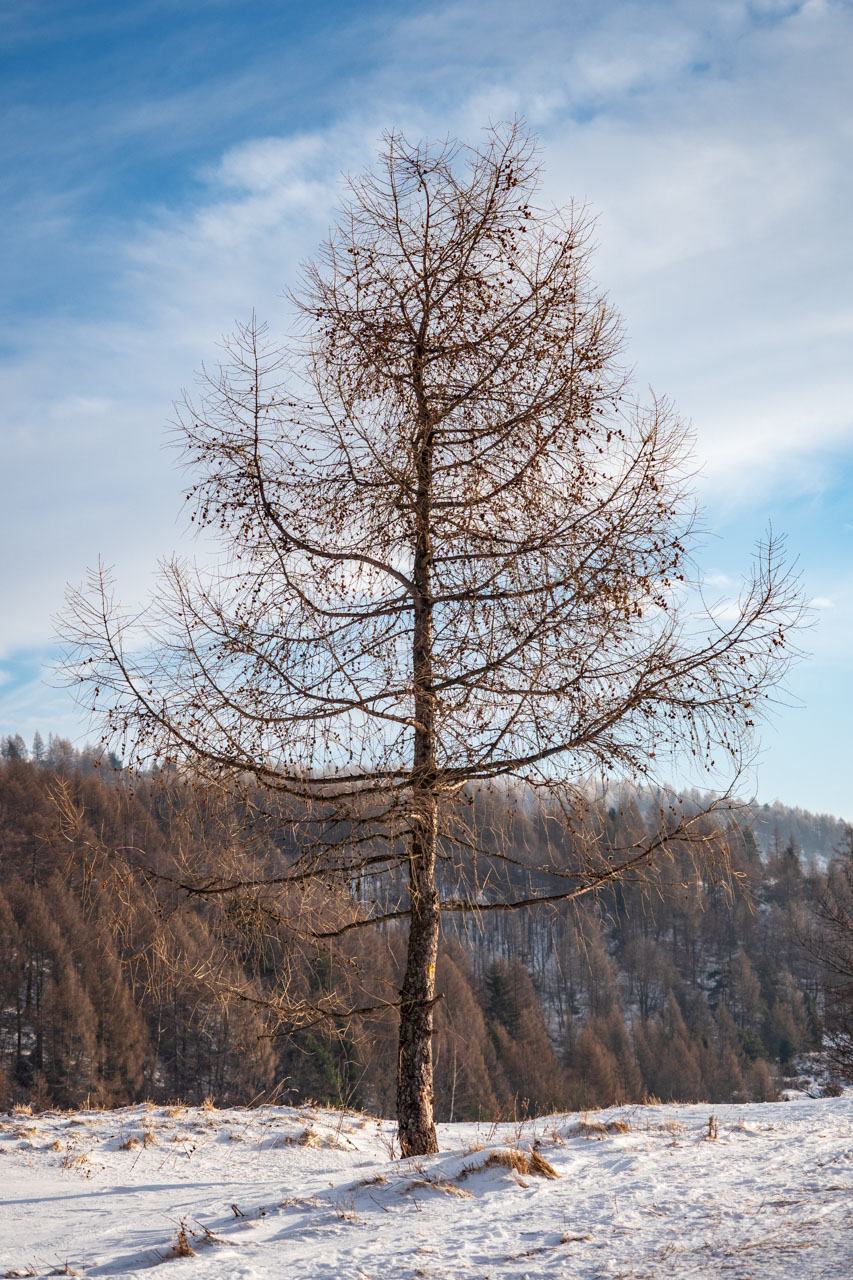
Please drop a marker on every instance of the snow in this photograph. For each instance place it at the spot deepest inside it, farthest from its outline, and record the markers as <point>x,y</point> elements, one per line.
<point>277,1193</point>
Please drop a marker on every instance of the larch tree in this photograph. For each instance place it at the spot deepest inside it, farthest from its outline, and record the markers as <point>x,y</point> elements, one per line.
<point>455,551</point>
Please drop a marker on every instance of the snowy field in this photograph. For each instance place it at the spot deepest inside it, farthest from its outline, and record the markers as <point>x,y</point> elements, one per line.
<point>657,1191</point>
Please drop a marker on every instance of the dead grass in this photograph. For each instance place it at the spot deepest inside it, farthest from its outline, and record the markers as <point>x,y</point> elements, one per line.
<point>186,1237</point>
<point>598,1128</point>
<point>204,1235</point>
<point>511,1158</point>
<point>346,1211</point>
<point>444,1185</point>
<point>377,1180</point>
<point>129,1144</point>
<point>775,1243</point>
<point>538,1165</point>
<point>182,1247</point>
<point>309,1138</point>
<point>523,1163</point>
<point>79,1163</point>
<point>673,1126</point>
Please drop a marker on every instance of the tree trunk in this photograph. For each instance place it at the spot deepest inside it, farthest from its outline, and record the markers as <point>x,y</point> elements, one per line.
<point>417,996</point>
<point>414,1064</point>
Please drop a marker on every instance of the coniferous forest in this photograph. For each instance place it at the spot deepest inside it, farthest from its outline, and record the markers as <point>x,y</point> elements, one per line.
<point>116,985</point>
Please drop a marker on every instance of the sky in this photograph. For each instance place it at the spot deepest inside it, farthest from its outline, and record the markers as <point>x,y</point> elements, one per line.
<point>165,165</point>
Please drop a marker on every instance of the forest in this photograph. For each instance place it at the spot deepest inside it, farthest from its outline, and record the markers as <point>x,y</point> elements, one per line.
<point>117,986</point>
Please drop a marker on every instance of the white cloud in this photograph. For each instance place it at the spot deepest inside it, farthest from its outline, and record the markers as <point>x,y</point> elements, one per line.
<point>714,149</point>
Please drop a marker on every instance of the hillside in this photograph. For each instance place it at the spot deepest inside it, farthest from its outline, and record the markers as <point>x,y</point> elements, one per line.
<point>115,988</point>
<point>818,836</point>
<point>761,1190</point>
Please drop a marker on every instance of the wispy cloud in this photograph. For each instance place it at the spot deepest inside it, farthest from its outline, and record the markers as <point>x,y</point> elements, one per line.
<point>147,215</point>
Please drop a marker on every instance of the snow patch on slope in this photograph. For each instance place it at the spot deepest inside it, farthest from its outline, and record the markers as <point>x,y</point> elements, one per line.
<point>762,1190</point>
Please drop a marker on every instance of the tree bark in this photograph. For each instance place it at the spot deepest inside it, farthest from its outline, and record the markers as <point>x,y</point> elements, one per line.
<point>414,1065</point>
<point>415,1122</point>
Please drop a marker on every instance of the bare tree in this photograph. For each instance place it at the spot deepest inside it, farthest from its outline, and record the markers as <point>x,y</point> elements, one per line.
<point>455,551</point>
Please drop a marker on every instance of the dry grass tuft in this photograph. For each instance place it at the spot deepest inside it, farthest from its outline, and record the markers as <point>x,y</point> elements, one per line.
<point>539,1166</point>
<point>519,1162</point>
<point>149,1138</point>
<point>511,1158</point>
<point>346,1212</point>
<point>79,1163</point>
<point>182,1247</point>
<point>444,1185</point>
<point>129,1144</point>
<point>208,1236</point>
<point>673,1126</point>
<point>309,1138</point>
<point>377,1180</point>
<point>22,1109</point>
<point>598,1128</point>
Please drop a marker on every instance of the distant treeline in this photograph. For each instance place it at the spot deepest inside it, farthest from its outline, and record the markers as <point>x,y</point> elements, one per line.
<point>816,836</point>
<point>693,986</point>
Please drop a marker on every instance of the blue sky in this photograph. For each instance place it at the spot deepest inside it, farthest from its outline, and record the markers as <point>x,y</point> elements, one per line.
<point>164,166</point>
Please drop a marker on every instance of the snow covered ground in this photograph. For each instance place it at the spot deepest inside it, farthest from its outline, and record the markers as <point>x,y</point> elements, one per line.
<point>657,1191</point>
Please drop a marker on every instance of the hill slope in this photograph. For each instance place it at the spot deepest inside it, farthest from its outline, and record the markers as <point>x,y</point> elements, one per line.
<point>761,1190</point>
